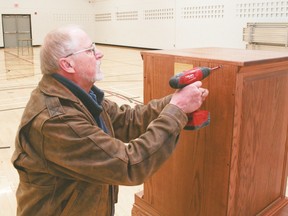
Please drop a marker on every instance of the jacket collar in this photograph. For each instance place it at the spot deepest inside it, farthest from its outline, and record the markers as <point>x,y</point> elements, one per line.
<point>94,106</point>
<point>52,87</point>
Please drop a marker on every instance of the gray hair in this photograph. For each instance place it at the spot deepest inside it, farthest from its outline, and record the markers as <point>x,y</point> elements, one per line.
<point>57,44</point>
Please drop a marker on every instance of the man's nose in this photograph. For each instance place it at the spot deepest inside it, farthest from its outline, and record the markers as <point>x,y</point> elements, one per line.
<point>98,54</point>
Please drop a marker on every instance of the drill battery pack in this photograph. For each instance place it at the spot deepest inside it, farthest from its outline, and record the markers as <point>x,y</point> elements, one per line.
<point>197,120</point>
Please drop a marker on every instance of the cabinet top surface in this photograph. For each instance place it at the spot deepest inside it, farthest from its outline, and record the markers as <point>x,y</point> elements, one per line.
<point>239,57</point>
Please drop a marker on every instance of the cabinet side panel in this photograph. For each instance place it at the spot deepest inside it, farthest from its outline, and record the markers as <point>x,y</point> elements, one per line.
<point>194,181</point>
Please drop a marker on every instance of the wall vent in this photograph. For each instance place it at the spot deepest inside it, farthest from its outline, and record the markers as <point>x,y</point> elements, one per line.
<point>127,15</point>
<point>159,14</point>
<point>103,17</point>
<point>70,17</point>
<point>203,12</point>
<point>272,9</point>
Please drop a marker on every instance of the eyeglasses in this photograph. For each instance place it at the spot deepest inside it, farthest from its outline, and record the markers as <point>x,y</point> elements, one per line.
<point>90,51</point>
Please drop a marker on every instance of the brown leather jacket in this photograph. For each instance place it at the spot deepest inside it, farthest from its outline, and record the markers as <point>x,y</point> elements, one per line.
<point>67,164</point>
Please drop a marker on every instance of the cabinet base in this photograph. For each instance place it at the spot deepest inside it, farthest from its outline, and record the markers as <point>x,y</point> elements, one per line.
<point>142,208</point>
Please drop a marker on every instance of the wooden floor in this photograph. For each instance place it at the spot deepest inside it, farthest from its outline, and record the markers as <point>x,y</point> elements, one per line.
<point>20,73</point>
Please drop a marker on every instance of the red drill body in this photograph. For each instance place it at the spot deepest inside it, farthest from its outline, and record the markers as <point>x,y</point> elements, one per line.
<point>199,118</point>
<point>190,76</point>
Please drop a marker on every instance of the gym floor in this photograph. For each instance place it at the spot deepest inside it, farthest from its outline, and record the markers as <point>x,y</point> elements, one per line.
<point>19,75</point>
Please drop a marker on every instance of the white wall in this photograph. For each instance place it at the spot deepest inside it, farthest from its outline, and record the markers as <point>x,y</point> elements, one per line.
<point>151,23</point>
<point>48,15</point>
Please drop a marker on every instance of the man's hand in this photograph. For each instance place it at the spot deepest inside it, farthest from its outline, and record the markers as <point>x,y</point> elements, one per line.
<point>190,98</point>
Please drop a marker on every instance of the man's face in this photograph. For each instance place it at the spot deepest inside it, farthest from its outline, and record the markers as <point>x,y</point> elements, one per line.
<point>87,64</point>
<point>85,61</point>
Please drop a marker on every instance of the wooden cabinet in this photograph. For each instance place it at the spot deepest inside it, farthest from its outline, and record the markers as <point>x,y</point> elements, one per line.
<point>237,165</point>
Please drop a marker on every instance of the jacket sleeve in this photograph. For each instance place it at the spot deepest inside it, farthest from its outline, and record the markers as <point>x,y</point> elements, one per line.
<point>74,148</point>
<point>129,123</point>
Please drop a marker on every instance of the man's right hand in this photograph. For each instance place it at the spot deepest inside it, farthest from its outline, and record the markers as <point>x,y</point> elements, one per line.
<point>190,98</point>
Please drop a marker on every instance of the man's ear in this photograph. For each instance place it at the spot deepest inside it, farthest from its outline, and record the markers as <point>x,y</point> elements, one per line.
<point>66,65</point>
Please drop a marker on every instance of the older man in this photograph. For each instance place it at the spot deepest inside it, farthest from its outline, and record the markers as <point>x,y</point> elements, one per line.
<point>74,146</point>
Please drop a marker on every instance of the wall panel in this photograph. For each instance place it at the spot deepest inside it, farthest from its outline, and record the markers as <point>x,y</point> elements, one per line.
<point>157,24</point>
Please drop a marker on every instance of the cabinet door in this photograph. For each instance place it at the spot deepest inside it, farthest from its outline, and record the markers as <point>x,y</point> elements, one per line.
<point>258,173</point>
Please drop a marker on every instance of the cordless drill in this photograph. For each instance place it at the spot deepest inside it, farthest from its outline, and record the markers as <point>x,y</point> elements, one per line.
<point>198,118</point>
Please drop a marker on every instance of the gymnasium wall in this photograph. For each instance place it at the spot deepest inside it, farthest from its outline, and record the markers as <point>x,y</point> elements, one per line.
<point>160,24</point>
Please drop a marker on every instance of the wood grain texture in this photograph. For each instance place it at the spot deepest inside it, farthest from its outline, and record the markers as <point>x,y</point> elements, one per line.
<point>238,164</point>
<point>261,151</point>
